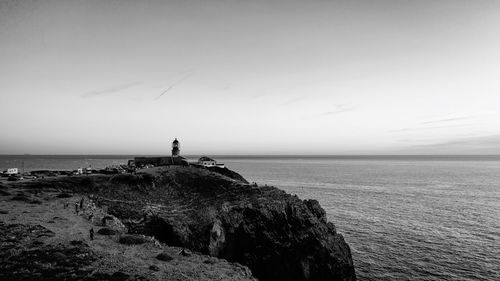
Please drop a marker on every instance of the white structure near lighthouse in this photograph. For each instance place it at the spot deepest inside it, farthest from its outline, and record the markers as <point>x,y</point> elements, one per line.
<point>209,162</point>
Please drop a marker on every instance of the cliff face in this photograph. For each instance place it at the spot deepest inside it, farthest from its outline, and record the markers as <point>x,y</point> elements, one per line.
<point>277,235</point>
<point>281,241</point>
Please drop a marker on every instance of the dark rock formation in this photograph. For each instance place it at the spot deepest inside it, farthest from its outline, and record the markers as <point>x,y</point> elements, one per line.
<point>216,212</point>
<point>228,173</point>
<point>106,231</point>
<point>132,240</point>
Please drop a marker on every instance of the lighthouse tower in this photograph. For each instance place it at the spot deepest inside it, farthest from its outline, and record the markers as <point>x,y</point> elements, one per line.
<point>176,148</point>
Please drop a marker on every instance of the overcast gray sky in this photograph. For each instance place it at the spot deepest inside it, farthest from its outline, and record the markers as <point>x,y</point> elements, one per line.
<point>250,77</point>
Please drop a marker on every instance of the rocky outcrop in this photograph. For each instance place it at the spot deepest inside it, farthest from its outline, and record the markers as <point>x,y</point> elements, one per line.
<point>277,235</point>
<point>281,241</point>
<point>228,173</point>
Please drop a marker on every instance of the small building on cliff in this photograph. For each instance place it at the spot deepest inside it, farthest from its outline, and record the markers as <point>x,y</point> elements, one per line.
<point>11,171</point>
<point>209,162</point>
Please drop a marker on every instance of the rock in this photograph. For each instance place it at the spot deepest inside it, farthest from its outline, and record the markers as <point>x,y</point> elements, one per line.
<point>164,257</point>
<point>315,208</point>
<point>228,173</point>
<point>217,238</point>
<point>132,240</point>
<point>106,231</point>
<point>185,252</point>
<point>278,236</point>
<point>106,218</point>
<point>154,267</point>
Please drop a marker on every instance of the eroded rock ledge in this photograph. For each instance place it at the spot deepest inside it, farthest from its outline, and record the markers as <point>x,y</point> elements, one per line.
<point>277,235</point>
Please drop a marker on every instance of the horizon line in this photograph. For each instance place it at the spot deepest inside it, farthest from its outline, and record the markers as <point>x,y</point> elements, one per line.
<point>261,155</point>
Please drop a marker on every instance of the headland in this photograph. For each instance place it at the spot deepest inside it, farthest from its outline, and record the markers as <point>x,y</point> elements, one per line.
<point>165,223</point>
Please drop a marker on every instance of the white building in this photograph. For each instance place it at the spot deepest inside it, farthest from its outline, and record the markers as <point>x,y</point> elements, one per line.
<point>12,171</point>
<point>209,162</point>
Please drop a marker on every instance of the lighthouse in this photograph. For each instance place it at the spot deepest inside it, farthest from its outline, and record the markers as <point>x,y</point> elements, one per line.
<point>176,148</point>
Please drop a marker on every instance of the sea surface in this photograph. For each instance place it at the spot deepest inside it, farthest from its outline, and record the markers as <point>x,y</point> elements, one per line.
<point>404,217</point>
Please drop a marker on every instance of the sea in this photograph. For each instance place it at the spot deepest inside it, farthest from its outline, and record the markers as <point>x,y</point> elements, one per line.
<point>404,217</point>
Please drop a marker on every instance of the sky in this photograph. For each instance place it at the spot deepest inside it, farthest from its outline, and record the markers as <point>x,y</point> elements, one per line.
<point>250,77</point>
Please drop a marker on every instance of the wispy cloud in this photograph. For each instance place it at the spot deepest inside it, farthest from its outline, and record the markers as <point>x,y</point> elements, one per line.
<point>446,120</point>
<point>490,144</point>
<point>424,128</point>
<point>339,108</point>
<point>109,91</point>
<point>175,83</point>
<point>438,124</point>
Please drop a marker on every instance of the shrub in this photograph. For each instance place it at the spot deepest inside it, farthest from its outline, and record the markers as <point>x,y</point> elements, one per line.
<point>132,240</point>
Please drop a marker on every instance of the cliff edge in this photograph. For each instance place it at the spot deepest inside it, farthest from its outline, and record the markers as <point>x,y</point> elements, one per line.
<point>277,235</point>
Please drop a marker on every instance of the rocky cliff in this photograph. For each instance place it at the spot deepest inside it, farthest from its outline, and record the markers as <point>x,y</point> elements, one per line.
<point>43,237</point>
<point>277,235</point>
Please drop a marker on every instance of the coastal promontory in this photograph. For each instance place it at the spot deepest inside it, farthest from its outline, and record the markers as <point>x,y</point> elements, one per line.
<point>207,218</point>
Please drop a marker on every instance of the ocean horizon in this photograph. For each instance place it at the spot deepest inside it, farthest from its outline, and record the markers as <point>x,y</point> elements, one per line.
<point>32,162</point>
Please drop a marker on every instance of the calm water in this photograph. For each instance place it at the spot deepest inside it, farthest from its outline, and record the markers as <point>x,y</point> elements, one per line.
<point>405,218</point>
